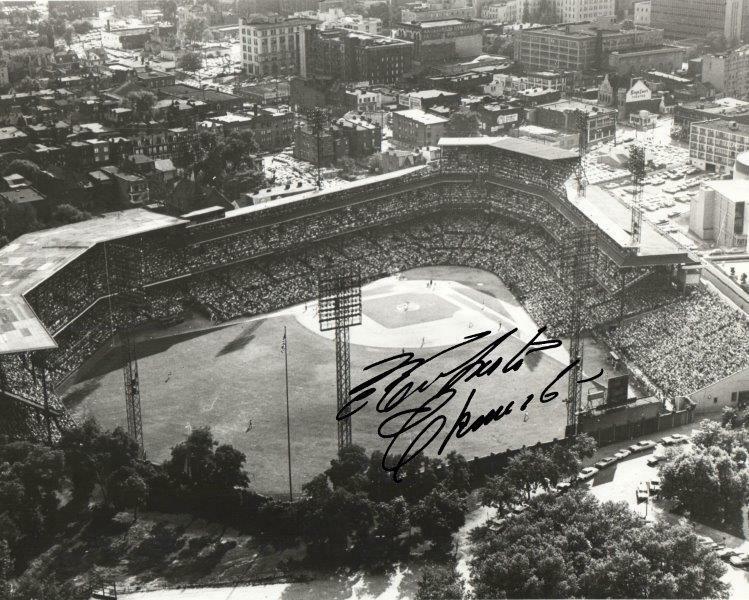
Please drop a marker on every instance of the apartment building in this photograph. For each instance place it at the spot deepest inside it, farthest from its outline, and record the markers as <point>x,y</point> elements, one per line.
<point>273,45</point>
<point>713,145</point>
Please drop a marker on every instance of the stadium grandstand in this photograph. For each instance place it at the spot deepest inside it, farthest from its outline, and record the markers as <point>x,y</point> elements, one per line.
<point>504,205</point>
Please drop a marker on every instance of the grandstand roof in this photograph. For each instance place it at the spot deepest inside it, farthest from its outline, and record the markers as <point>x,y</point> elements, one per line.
<point>34,257</point>
<point>511,144</point>
<point>614,219</point>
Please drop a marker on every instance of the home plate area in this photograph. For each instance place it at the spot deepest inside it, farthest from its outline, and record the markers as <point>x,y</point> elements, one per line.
<point>425,313</point>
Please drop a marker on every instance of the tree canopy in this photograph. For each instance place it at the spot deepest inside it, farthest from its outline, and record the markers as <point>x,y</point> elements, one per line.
<point>709,478</point>
<point>190,61</point>
<point>575,546</point>
<point>462,123</point>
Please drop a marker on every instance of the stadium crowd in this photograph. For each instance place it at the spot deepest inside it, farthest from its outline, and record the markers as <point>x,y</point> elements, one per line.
<point>687,345</point>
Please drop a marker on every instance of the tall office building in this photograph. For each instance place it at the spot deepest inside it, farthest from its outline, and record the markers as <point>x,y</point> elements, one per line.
<point>273,45</point>
<point>695,18</point>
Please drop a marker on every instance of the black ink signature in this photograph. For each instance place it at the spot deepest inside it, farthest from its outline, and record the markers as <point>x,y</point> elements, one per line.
<point>402,380</point>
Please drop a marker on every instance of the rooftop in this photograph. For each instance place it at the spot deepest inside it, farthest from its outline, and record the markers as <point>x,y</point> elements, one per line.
<point>419,115</point>
<point>32,258</point>
<point>511,144</point>
<point>577,105</point>
<point>431,94</point>
<point>726,126</point>
<point>736,190</point>
<point>445,23</point>
<point>614,219</point>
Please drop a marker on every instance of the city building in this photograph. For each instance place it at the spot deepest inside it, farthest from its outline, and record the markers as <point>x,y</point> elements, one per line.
<point>641,12</point>
<point>503,84</point>
<point>442,41</point>
<point>718,213</point>
<point>497,118</point>
<point>567,11</point>
<point>434,11</point>
<point>336,18</point>
<point>714,145</point>
<point>134,37</point>
<point>728,72</point>
<point>427,99</point>
<point>563,115</point>
<point>362,100</point>
<point>327,146</point>
<point>272,128</point>
<point>662,58</point>
<point>579,47</point>
<point>687,113</point>
<point>132,189</point>
<point>696,18</point>
<point>364,136</point>
<point>273,45</point>
<point>417,128</point>
<point>575,11</point>
<point>348,56</point>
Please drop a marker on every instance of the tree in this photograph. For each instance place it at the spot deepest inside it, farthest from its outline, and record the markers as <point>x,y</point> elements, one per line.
<point>709,483</point>
<point>440,583</point>
<point>92,456</point>
<point>530,470</point>
<point>28,84</point>
<point>68,34</point>
<point>440,514</point>
<point>190,61</point>
<point>67,213</point>
<point>203,467</point>
<point>499,492</point>
<point>134,493</point>
<point>575,546</point>
<point>567,458</point>
<point>456,473</point>
<point>194,28</point>
<point>462,123</point>
<point>711,434</point>
<point>169,10</point>
<point>141,103</point>
<point>348,469</point>
<point>82,27</point>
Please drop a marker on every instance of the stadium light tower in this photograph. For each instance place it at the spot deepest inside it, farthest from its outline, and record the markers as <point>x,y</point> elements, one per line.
<point>339,308</point>
<point>582,128</point>
<point>636,167</point>
<point>124,267</point>
<point>577,262</point>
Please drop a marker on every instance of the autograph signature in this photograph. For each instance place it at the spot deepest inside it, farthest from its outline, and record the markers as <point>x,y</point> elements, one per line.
<point>422,418</point>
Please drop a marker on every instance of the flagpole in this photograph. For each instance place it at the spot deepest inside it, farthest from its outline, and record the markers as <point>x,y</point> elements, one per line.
<point>288,424</point>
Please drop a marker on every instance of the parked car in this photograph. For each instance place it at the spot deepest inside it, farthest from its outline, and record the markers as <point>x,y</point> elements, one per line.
<point>642,445</point>
<point>654,460</point>
<point>679,438</point>
<point>655,485</point>
<point>726,554</point>
<point>605,462</point>
<point>587,473</point>
<point>562,487</point>
<point>668,441</point>
<point>740,560</point>
<point>622,454</point>
<point>642,492</point>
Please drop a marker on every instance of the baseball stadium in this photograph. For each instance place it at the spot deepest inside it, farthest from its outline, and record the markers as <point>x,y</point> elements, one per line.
<point>477,241</point>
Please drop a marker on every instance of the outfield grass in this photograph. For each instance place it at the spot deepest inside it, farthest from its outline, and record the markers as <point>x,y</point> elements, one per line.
<point>232,375</point>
